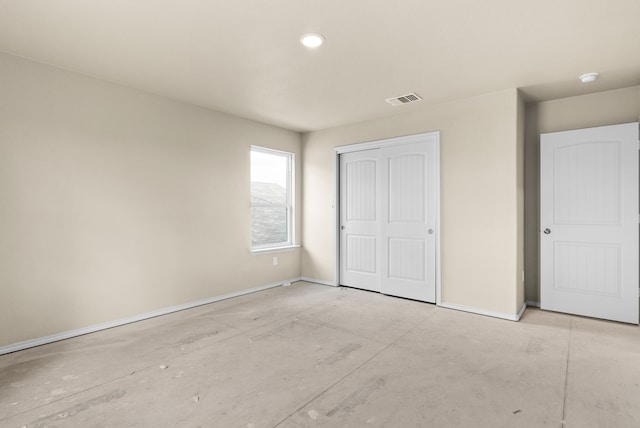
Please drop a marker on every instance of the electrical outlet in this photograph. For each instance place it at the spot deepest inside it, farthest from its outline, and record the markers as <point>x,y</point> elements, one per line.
<point>275,261</point>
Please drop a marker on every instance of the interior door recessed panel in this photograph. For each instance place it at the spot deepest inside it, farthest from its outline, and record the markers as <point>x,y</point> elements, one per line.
<point>407,188</point>
<point>407,259</point>
<point>587,268</point>
<point>361,188</point>
<point>587,183</point>
<point>361,254</point>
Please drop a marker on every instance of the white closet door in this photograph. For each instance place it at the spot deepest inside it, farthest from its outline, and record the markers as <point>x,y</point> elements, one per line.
<point>360,219</point>
<point>408,229</point>
<point>589,222</point>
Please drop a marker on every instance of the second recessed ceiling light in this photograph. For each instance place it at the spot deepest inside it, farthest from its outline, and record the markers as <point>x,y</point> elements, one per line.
<point>312,40</point>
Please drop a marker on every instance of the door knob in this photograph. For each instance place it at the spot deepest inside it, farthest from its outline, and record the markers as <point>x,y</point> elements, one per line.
<point>547,231</point>
<point>342,227</point>
<point>430,231</point>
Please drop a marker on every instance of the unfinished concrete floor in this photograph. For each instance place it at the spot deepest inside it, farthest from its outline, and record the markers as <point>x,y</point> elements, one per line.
<point>311,355</point>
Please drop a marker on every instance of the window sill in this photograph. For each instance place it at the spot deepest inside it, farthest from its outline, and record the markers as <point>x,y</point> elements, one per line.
<point>274,249</point>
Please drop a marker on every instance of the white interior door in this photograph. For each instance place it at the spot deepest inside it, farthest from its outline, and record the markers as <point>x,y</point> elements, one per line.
<point>589,222</point>
<point>408,228</point>
<point>360,219</point>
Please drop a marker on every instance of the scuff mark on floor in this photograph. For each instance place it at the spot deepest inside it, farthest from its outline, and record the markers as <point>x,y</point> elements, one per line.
<point>343,353</point>
<point>358,397</point>
<point>278,331</point>
<point>79,408</point>
<point>196,337</point>
<point>535,346</point>
<point>70,377</point>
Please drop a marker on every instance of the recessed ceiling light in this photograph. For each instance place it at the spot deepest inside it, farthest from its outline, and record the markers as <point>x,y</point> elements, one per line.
<point>588,78</point>
<point>312,40</point>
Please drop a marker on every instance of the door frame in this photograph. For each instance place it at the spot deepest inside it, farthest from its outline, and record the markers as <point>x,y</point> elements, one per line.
<point>431,137</point>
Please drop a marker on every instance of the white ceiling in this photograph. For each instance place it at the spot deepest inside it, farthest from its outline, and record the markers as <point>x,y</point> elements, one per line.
<point>243,56</point>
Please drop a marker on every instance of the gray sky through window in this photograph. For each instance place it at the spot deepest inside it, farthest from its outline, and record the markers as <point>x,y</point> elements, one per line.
<point>268,168</point>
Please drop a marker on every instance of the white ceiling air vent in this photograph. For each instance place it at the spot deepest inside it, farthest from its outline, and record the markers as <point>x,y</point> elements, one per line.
<point>404,99</point>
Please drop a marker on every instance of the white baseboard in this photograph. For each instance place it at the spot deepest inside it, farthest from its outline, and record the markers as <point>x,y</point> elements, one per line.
<point>318,281</point>
<point>533,303</point>
<point>521,311</point>
<point>110,324</point>
<point>494,314</point>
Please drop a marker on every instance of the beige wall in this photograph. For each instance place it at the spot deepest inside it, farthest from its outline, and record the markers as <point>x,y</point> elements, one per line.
<point>479,195</point>
<point>598,109</point>
<point>114,202</point>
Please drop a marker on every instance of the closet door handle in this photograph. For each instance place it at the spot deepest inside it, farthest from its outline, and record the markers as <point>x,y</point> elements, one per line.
<point>430,231</point>
<point>547,231</point>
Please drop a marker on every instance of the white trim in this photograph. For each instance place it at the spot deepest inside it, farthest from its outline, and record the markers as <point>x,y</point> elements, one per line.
<point>433,136</point>
<point>533,303</point>
<point>394,141</point>
<point>274,249</point>
<point>268,150</point>
<point>494,314</point>
<point>289,205</point>
<point>438,231</point>
<point>116,323</point>
<point>319,281</point>
<point>521,311</point>
<point>336,218</point>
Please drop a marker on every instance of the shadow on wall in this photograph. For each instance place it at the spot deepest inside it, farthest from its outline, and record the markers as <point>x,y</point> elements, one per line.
<point>531,204</point>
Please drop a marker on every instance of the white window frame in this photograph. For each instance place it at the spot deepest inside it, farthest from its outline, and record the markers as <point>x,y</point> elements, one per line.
<point>288,205</point>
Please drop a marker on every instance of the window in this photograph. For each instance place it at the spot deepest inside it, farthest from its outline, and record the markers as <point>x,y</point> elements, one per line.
<point>271,199</point>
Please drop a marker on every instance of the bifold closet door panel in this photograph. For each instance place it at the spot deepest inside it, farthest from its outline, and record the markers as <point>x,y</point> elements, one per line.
<point>360,219</point>
<point>408,227</point>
